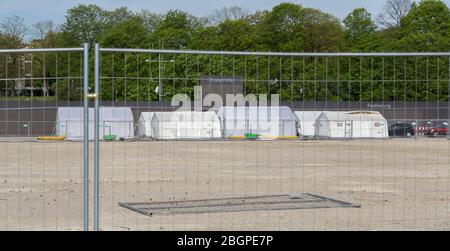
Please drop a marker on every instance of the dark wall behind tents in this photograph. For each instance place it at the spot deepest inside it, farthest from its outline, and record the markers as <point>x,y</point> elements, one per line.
<point>24,118</point>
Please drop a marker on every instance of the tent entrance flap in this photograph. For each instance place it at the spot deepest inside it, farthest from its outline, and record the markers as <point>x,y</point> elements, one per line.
<point>181,125</point>
<point>348,129</point>
<point>269,122</point>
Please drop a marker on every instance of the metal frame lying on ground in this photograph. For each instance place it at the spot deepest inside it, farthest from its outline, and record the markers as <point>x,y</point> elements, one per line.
<point>238,204</point>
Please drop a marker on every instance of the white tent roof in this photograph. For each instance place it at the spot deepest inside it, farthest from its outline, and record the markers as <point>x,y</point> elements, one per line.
<point>353,115</point>
<point>181,116</point>
<point>255,112</point>
<point>106,114</point>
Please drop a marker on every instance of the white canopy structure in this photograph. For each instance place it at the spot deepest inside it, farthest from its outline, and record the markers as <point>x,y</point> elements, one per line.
<point>268,122</point>
<point>307,120</point>
<point>113,121</point>
<point>145,125</point>
<point>351,125</point>
<point>185,125</point>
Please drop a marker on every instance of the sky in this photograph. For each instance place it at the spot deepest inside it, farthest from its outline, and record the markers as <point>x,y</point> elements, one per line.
<point>37,10</point>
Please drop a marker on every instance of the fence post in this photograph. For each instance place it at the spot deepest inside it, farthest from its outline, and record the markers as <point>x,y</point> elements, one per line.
<point>448,101</point>
<point>85,139</point>
<point>96,138</point>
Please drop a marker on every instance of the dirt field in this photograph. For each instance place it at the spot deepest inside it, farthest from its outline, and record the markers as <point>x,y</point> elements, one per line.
<point>401,184</point>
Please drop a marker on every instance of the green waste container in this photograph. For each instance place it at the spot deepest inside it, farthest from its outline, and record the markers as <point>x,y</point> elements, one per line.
<point>251,136</point>
<point>109,137</point>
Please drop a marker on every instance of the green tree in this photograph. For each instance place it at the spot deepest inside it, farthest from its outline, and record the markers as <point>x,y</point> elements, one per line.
<point>205,38</point>
<point>131,33</point>
<point>117,16</point>
<point>323,31</point>
<point>237,35</point>
<point>9,42</point>
<point>426,27</point>
<point>358,25</point>
<point>290,27</point>
<point>84,23</point>
<point>150,20</point>
<point>282,29</point>
<point>175,29</point>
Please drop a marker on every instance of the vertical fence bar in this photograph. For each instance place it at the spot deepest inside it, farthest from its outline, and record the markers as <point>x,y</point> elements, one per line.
<point>86,140</point>
<point>160,84</point>
<point>96,138</point>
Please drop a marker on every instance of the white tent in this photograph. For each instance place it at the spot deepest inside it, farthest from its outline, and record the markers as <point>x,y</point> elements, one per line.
<point>348,125</point>
<point>185,125</point>
<point>145,125</point>
<point>113,121</point>
<point>307,120</point>
<point>268,122</point>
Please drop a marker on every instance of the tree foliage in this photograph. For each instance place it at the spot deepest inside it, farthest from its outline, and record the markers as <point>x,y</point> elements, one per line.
<point>426,27</point>
<point>287,27</point>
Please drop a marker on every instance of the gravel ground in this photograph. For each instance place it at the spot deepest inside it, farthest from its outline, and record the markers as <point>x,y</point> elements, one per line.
<point>401,184</point>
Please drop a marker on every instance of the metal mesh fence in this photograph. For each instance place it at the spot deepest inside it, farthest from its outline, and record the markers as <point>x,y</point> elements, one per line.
<point>204,133</point>
<point>40,182</point>
<point>399,179</point>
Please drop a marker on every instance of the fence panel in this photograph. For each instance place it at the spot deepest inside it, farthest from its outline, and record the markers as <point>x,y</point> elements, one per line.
<point>40,181</point>
<point>376,146</point>
<point>360,142</point>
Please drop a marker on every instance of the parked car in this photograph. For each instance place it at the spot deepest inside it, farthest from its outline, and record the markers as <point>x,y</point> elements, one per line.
<point>401,129</point>
<point>437,129</point>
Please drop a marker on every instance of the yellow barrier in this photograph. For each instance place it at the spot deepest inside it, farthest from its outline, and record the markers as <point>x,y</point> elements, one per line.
<point>235,137</point>
<point>51,138</point>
